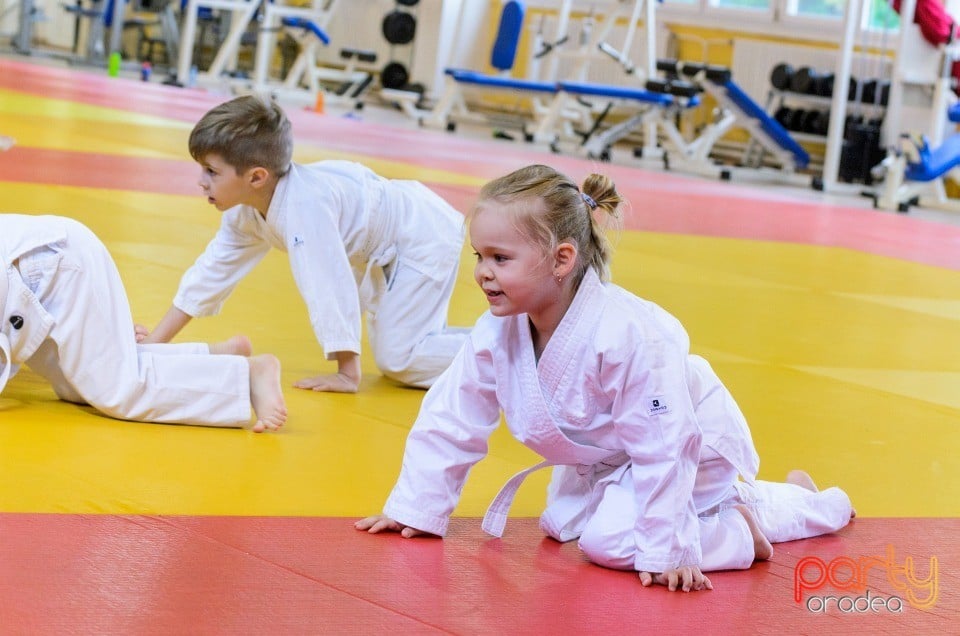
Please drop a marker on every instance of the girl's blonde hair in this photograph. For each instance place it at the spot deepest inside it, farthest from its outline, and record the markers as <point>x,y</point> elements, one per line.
<point>550,209</point>
<point>247,132</point>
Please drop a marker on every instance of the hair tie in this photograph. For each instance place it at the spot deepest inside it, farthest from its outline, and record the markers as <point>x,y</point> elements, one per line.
<point>589,200</point>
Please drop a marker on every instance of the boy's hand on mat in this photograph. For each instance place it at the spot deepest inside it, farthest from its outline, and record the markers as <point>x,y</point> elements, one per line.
<point>335,383</point>
<point>345,380</point>
<point>383,523</point>
<point>688,579</point>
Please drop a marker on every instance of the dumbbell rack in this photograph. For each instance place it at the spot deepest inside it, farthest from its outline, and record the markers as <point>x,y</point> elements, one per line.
<point>815,134</point>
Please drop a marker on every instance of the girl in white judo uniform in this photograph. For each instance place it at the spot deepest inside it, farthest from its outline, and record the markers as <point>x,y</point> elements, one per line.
<point>648,446</point>
<point>65,314</point>
<point>357,243</point>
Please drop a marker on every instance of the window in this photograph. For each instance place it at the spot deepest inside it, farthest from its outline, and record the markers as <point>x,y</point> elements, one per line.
<point>757,5</point>
<point>881,16</point>
<point>816,8</point>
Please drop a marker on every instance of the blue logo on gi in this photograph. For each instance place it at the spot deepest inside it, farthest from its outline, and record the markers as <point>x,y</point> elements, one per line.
<point>297,241</point>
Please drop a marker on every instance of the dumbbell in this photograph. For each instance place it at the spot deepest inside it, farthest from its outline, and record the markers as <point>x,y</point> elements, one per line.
<point>399,27</point>
<point>816,122</point>
<point>783,116</point>
<point>852,89</point>
<point>790,118</point>
<point>876,91</point>
<point>852,121</point>
<point>394,75</point>
<point>781,76</point>
<point>823,85</point>
<point>805,81</point>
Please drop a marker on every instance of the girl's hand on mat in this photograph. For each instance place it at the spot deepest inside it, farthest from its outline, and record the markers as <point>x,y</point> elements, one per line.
<point>383,523</point>
<point>688,579</point>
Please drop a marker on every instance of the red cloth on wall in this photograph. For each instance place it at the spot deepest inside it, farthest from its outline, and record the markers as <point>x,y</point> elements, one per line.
<point>937,27</point>
<point>935,23</point>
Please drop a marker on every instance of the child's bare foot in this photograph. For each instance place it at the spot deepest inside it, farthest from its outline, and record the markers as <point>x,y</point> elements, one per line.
<point>762,550</point>
<point>237,346</point>
<point>6,143</point>
<point>266,394</point>
<point>803,479</point>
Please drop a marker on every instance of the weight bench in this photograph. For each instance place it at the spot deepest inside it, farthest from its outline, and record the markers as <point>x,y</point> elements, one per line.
<point>932,164</point>
<point>655,106</point>
<point>499,81</point>
<point>305,79</point>
<point>914,173</point>
<point>748,114</point>
<point>763,128</point>
<point>451,107</point>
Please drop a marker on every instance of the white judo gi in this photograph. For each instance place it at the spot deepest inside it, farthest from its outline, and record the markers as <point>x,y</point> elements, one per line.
<point>647,445</point>
<point>356,242</point>
<point>65,315</point>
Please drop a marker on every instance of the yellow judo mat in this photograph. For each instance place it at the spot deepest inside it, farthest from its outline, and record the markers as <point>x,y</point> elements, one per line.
<point>844,361</point>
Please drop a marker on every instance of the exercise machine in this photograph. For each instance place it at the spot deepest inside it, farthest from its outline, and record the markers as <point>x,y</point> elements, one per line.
<point>452,107</point>
<point>309,27</point>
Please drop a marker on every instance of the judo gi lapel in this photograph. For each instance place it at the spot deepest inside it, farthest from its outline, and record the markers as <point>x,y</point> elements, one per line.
<point>540,385</point>
<point>534,413</point>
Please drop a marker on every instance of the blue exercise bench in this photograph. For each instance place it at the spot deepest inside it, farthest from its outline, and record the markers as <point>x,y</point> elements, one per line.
<point>307,25</point>
<point>762,127</point>
<point>499,81</point>
<point>746,113</point>
<point>451,104</point>
<point>611,91</point>
<point>935,163</point>
<point>913,173</point>
<point>666,99</point>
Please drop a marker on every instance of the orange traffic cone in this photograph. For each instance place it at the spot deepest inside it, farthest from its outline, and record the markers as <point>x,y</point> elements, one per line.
<point>318,106</point>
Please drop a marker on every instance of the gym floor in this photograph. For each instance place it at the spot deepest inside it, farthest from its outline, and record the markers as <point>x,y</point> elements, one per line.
<point>835,326</point>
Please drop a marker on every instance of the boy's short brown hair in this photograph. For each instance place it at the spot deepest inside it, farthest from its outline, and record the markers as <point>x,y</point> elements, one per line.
<point>247,132</point>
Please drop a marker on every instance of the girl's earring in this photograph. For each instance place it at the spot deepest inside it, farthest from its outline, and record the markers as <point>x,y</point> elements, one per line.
<point>559,280</point>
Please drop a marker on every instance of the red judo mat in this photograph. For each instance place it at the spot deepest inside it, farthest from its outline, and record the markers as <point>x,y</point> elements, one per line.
<point>106,574</point>
<point>268,575</point>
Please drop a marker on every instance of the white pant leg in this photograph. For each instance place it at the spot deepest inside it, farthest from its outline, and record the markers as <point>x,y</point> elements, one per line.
<point>726,542</point>
<point>92,355</point>
<point>572,499</point>
<point>608,537</point>
<point>172,348</point>
<point>408,330</point>
<point>787,512</point>
<point>46,362</point>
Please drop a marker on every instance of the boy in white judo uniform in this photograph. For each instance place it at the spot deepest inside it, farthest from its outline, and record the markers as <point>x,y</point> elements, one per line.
<point>654,466</point>
<point>357,243</point>
<point>65,314</point>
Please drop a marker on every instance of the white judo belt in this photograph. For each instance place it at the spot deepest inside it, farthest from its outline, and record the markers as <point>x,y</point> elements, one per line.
<point>495,519</point>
